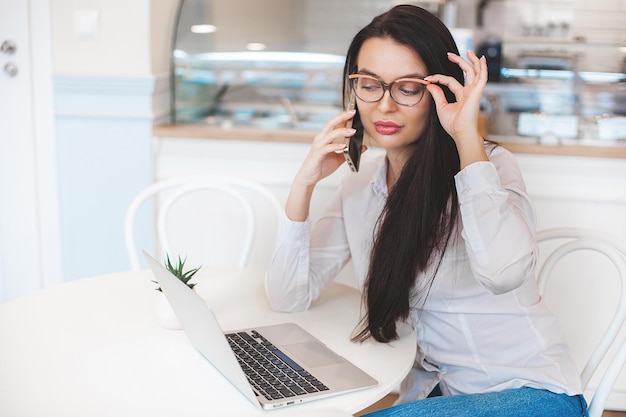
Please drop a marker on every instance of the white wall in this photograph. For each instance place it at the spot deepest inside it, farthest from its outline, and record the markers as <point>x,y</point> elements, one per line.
<point>111,86</point>
<point>132,37</point>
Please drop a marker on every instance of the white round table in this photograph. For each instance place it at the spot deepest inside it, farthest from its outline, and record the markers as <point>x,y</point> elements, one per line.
<point>93,348</point>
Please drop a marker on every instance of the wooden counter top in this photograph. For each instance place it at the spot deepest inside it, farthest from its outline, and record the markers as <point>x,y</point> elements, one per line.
<point>598,149</point>
<point>198,131</point>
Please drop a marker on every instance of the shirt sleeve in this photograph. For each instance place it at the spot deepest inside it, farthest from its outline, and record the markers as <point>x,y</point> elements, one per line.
<point>498,221</point>
<point>306,258</point>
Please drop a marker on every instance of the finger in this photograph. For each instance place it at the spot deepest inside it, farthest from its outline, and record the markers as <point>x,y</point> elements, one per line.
<point>483,74</point>
<point>465,66</point>
<point>339,148</point>
<point>329,131</point>
<point>480,67</point>
<point>338,121</point>
<point>474,61</point>
<point>437,94</point>
<point>334,141</point>
<point>472,67</point>
<point>335,147</point>
<point>452,83</point>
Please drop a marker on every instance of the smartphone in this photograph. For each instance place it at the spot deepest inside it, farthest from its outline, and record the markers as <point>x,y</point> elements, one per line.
<point>352,151</point>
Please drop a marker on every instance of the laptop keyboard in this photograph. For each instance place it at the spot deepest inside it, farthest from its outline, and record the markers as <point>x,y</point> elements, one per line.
<point>269,370</point>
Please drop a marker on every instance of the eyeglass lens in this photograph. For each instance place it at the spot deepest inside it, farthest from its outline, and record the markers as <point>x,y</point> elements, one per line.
<point>403,92</point>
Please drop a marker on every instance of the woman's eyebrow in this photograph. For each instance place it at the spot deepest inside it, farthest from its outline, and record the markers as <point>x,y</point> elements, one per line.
<point>414,75</point>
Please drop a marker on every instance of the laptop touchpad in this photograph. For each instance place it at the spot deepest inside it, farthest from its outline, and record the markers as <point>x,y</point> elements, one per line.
<point>313,354</point>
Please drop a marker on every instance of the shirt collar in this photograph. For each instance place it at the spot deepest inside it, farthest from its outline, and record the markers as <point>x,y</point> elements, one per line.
<point>379,180</point>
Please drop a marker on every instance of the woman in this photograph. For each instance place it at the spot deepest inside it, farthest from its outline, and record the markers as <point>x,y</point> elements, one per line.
<point>440,231</point>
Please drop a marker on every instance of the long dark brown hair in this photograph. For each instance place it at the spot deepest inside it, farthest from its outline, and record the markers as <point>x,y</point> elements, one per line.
<point>421,211</point>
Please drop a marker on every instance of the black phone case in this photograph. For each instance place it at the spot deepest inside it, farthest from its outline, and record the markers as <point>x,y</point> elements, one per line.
<point>355,142</point>
<point>352,152</point>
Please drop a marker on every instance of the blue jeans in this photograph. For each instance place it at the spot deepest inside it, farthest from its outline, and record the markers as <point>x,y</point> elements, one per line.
<point>521,402</point>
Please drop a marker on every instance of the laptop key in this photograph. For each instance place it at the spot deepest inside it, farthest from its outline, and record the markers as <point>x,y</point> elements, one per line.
<point>287,392</point>
<point>297,390</point>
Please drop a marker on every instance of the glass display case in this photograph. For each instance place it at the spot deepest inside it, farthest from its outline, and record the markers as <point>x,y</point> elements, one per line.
<point>278,64</point>
<point>264,64</point>
<point>265,89</point>
<point>563,90</point>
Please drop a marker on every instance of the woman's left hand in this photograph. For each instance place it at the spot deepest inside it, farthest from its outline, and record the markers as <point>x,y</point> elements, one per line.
<point>460,118</point>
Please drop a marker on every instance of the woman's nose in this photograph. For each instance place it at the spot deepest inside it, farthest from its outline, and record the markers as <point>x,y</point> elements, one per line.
<point>386,104</point>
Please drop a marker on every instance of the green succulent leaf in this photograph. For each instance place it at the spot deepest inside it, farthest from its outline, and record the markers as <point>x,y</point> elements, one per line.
<point>179,271</point>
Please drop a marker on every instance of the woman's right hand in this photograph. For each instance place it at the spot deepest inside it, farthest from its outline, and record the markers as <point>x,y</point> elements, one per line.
<point>324,157</point>
<point>326,152</point>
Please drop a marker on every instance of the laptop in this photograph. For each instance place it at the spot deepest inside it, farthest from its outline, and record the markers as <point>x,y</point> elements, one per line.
<point>307,369</point>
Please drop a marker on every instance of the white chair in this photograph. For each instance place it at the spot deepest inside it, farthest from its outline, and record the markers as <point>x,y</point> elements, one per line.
<point>609,355</point>
<point>224,211</point>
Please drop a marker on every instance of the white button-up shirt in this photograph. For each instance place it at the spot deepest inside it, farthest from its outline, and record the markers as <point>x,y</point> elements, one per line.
<point>482,326</point>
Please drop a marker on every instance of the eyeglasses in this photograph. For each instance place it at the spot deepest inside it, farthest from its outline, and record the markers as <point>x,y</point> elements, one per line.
<point>404,91</point>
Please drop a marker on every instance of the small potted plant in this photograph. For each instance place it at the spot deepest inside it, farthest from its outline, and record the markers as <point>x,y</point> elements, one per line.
<point>179,272</point>
<point>165,316</point>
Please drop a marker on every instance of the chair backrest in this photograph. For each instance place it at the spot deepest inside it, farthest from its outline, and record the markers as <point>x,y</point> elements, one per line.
<point>224,211</point>
<point>609,355</point>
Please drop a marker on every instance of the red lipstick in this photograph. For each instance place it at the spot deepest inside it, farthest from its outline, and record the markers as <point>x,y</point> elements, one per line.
<point>385,127</point>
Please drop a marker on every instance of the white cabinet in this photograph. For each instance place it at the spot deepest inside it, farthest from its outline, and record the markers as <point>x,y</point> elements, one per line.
<point>577,191</point>
<point>566,190</point>
<point>273,164</point>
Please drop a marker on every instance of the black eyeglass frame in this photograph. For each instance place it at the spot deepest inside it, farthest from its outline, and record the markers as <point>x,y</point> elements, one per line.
<point>386,87</point>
